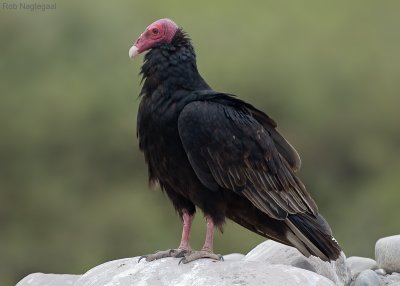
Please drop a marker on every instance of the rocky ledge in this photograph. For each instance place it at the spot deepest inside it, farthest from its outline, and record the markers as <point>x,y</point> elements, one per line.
<point>270,263</point>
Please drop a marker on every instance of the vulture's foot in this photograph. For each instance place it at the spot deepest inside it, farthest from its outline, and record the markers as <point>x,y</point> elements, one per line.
<point>194,255</point>
<point>165,253</point>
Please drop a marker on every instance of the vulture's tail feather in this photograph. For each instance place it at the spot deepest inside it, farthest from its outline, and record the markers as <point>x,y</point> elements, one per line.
<point>312,235</point>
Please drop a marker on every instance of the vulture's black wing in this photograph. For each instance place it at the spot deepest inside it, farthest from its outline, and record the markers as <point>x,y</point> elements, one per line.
<point>229,147</point>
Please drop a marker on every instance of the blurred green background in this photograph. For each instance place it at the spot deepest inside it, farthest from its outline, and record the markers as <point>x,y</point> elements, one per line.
<point>73,185</point>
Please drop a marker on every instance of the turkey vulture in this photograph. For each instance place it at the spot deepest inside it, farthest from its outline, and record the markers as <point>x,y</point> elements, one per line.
<point>211,150</point>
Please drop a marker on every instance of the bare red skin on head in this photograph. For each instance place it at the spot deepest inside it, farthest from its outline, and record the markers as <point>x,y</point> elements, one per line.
<point>161,31</point>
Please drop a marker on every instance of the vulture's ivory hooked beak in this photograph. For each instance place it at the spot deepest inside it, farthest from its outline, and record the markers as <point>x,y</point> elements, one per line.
<point>133,52</point>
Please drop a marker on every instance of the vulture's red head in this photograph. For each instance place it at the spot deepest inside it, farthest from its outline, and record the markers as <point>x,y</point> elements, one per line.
<point>161,31</point>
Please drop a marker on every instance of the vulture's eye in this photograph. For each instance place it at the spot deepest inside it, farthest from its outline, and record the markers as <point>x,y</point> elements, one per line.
<point>155,31</point>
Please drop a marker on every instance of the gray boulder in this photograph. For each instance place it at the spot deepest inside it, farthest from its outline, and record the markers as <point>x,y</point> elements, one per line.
<point>367,278</point>
<point>270,263</point>
<point>40,279</point>
<point>276,253</point>
<point>359,264</point>
<point>198,273</point>
<point>387,253</point>
<point>166,271</point>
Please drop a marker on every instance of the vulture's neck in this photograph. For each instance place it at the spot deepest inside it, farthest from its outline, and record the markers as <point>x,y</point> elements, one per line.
<point>171,67</point>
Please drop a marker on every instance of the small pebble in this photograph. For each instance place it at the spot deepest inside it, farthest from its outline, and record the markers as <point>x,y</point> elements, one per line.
<point>393,279</point>
<point>367,278</point>
<point>359,264</point>
<point>380,271</point>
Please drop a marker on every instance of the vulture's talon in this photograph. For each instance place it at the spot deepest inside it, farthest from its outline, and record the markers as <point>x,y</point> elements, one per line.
<point>163,254</point>
<point>195,255</point>
<point>181,253</point>
<point>182,260</point>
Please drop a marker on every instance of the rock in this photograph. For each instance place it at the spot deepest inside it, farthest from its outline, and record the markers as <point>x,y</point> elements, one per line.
<point>393,279</point>
<point>276,253</point>
<point>270,263</point>
<point>387,253</point>
<point>40,279</point>
<point>367,278</point>
<point>380,271</point>
<point>166,271</point>
<point>359,264</point>
<point>233,257</point>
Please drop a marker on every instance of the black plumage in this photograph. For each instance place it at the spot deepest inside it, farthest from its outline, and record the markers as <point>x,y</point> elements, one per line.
<point>214,151</point>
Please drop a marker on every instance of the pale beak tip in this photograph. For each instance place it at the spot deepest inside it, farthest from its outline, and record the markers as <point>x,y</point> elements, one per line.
<point>133,52</point>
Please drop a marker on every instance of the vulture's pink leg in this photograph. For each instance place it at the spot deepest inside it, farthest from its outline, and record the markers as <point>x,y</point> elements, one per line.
<point>184,246</point>
<point>207,250</point>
